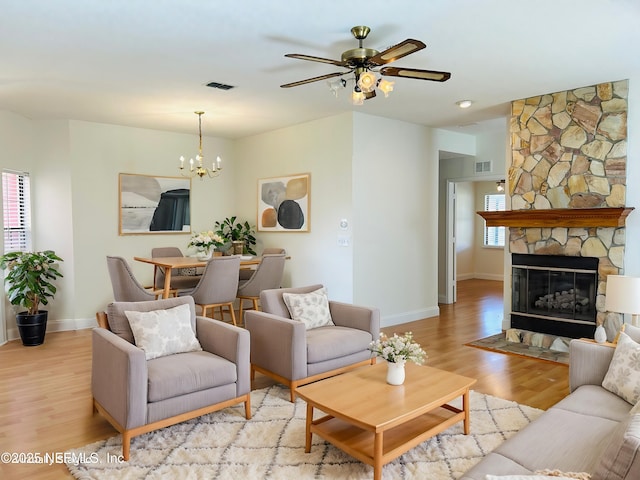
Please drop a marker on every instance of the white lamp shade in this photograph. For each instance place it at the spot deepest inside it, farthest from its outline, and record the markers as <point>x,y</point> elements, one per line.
<point>623,294</point>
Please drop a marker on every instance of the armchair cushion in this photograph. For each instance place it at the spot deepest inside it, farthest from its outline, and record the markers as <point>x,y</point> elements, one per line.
<point>328,343</point>
<point>623,376</point>
<point>163,332</point>
<point>183,373</point>
<point>311,308</point>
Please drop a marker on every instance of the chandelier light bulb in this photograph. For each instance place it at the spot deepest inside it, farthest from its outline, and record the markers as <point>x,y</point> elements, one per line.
<point>200,170</point>
<point>357,97</point>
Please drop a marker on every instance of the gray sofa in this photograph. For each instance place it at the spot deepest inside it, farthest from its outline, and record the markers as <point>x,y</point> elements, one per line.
<point>591,430</point>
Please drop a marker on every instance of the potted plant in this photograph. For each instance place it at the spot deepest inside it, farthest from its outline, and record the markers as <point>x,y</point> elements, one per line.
<point>241,235</point>
<point>397,350</point>
<point>29,283</point>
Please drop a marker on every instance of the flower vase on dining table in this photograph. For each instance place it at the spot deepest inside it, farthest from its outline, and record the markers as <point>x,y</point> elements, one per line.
<point>204,253</point>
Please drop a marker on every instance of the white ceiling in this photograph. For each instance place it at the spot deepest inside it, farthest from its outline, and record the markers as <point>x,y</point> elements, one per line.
<point>144,63</point>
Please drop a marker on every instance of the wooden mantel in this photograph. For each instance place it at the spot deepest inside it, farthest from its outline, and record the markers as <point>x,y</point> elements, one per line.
<point>558,217</point>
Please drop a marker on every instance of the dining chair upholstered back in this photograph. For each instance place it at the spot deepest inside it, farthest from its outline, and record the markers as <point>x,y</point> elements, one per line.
<point>268,275</point>
<point>124,284</point>
<point>217,286</point>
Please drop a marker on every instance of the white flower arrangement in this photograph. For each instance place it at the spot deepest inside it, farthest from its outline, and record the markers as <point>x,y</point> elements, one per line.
<point>398,349</point>
<point>205,240</point>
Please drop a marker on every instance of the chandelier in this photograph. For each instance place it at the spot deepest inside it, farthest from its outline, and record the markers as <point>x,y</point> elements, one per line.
<point>197,168</point>
<point>366,82</point>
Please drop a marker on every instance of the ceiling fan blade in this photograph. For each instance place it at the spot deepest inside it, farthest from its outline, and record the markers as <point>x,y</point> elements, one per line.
<point>314,79</point>
<point>416,73</point>
<point>316,59</point>
<point>397,51</point>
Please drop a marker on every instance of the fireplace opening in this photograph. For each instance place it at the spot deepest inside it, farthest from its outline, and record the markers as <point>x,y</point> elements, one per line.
<point>554,294</point>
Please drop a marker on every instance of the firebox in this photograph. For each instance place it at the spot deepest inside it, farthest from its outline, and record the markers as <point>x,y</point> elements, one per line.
<point>554,294</point>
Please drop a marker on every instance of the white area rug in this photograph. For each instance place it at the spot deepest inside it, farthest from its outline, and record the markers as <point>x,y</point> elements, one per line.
<point>223,445</point>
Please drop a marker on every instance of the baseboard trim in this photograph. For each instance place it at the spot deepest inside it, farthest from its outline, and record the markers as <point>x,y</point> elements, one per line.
<point>410,316</point>
<point>490,276</point>
<point>59,325</point>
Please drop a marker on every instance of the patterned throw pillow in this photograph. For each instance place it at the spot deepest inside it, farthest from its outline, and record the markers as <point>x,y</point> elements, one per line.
<point>623,376</point>
<point>163,332</point>
<point>310,308</point>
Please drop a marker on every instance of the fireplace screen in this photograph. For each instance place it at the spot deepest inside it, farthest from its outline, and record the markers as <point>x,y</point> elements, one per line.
<point>554,294</point>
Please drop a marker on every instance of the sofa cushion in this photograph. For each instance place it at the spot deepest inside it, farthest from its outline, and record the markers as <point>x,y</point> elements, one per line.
<point>559,439</point>
<point>327,343</point>
<point>596,401</point>
<point>184,373</point>
<point>621,458</point>
<point>311,308</point>
<point>623,376</point>
<point>163,332</point>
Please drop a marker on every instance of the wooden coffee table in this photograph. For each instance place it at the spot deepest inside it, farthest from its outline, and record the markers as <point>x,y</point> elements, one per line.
<point>376,422</point>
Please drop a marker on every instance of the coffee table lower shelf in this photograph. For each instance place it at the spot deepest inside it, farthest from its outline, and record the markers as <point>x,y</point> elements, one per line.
<point>364,444</point>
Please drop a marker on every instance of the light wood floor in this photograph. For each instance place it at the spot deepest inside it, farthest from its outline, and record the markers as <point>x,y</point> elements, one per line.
<point>45,395</point>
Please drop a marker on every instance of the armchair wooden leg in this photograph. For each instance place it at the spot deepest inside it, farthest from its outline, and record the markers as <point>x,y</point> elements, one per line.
<point>126,445</point>
<point>247,407</point>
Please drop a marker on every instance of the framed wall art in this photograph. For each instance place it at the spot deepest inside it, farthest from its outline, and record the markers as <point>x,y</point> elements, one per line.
<point>150,204</point>
<point>284,203</point>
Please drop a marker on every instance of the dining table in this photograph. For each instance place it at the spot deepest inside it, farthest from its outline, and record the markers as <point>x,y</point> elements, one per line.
<point>169,263</point>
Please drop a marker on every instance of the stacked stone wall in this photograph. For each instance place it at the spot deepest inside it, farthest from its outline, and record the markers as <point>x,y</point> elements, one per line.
<point>569,150</point>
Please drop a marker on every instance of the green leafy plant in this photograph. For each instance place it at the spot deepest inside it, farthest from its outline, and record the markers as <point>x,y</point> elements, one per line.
<point>29,276</point>
<point>233,231</point>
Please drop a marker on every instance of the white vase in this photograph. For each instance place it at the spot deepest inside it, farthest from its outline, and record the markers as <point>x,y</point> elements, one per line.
<point>204,254</point>
<point>395,373</point>
<point>601,335</point>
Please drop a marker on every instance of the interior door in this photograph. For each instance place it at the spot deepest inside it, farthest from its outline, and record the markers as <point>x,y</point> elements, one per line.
<point>450,247</point>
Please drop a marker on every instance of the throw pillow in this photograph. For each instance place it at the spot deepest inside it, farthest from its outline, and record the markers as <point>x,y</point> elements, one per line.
<point>623,376</point>
<point>163,332</point>
<point>311,308</point>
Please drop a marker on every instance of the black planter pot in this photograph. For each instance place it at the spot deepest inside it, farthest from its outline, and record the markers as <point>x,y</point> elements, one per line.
<point>32,327</point>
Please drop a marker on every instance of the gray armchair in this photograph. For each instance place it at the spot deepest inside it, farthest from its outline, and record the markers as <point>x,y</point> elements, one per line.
<point>137,395</point>
<point>286,351</point>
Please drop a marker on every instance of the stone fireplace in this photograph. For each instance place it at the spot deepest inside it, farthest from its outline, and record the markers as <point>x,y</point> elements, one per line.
<point>567,182</point>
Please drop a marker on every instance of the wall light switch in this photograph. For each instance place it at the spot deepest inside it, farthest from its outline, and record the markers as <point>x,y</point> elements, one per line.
<point>343,240</point>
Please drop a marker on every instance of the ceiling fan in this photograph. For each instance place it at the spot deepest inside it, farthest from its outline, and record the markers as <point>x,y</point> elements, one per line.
<point>365,61</point>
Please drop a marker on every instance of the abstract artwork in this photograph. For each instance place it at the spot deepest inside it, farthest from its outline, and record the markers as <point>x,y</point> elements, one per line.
<point>284,203</point>
<point>149,204</point>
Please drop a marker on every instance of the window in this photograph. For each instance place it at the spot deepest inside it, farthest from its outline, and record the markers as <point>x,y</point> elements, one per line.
<point>494,236</point>
<point>16,208</point>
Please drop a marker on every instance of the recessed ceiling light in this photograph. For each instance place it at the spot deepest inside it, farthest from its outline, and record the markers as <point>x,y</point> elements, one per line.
<point>464,103</point>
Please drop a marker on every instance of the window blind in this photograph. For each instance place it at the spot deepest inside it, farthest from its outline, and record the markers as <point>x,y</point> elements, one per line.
<point>494,236</point>
<point>16,207</point>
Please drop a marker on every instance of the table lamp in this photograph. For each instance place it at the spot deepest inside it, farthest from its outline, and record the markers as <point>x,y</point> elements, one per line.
<point>623,296</point>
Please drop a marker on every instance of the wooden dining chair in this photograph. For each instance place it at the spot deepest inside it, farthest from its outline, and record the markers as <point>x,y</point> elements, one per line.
<point>268,275</point>
<point>217,286</point>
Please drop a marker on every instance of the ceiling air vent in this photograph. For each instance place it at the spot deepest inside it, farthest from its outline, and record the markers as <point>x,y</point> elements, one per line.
<point>483,167</point>
<point>220,86</point>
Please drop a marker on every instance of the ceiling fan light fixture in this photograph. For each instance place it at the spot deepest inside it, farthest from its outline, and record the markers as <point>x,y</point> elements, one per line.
<point>367,82</point>
<point>386,87</point>
<point>357,97</point>
<point>464,103</point>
